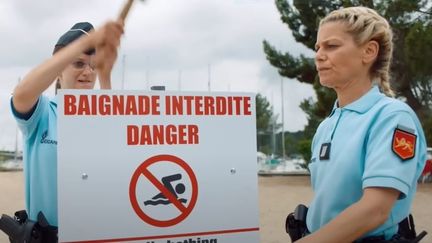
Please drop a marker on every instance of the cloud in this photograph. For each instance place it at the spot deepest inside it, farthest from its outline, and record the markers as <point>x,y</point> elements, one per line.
<point>176,43</point>
<point>293,94</point>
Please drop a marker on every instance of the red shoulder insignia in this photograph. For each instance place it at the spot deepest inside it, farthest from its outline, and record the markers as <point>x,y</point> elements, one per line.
<point>404,144</point>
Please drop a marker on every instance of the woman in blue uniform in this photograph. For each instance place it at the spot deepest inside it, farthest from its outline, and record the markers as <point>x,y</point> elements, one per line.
<point>74,65</point>
<point>368,153</point>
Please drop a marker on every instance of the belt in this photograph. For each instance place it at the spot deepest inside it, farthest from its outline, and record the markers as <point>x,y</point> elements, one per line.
<point>372,239</point>
<point>381,239</point>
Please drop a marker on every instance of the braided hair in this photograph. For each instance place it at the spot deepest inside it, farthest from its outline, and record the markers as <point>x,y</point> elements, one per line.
<point>365,24</point>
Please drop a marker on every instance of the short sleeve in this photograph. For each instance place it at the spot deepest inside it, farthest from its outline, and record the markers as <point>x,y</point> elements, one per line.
<point>29,122</point>
<point>383,166</point>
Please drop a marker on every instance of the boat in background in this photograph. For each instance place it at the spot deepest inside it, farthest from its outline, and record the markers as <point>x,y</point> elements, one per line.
<point>270,165</point>
<point>11,165</point>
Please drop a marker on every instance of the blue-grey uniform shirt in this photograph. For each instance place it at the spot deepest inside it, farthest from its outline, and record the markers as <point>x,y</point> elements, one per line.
<point>363,145</point>
<point>39,129</point>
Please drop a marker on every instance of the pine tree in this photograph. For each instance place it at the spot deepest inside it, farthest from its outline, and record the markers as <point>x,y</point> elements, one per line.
<point>411,70</point>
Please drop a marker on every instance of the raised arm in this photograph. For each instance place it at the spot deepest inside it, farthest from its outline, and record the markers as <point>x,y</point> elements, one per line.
<point>106,43</point>
<point>106,40</point>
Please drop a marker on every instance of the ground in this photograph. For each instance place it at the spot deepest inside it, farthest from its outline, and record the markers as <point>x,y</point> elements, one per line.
<point>278,195</point>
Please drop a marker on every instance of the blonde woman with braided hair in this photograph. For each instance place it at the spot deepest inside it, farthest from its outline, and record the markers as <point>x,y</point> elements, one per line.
<point>368,153</point>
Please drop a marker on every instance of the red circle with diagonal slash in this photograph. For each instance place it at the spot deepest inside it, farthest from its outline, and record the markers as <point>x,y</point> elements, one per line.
<point>143,170</point>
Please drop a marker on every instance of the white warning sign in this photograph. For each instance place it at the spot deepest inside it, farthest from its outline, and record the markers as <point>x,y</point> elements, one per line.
<point>157,167</point>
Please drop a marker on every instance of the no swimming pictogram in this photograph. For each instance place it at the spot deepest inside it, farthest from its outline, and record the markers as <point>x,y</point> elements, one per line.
<point>168,194</point>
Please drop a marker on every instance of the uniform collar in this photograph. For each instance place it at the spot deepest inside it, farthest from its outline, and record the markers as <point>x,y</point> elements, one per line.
<point>364,103</point>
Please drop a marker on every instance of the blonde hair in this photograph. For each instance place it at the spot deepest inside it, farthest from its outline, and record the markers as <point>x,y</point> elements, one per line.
<point>364,24</point>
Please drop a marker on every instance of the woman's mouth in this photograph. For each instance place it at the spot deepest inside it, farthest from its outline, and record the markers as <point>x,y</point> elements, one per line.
<point>323,69</point>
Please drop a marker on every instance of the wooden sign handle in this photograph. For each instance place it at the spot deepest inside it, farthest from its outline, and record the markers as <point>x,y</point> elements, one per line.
<point>125,10</point>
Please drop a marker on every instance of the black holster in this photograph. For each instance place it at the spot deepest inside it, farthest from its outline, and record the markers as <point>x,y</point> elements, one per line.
<point>406,234</point>
<point>407,230</point>
<point>21,229</point>
<point>295,224</point>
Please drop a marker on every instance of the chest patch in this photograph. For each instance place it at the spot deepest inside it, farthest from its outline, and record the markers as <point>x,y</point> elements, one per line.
<point>325,151</point>
<point>404,144</point>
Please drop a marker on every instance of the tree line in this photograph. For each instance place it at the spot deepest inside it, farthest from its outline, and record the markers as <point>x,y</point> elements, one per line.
<point>411,70</point>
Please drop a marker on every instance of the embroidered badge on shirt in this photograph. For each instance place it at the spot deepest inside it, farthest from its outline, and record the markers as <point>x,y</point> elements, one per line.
<point>404,143</point>
<point>45,139</point>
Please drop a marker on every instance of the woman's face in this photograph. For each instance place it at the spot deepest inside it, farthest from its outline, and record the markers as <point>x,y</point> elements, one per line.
<point>80,74</point>
<point>338,58</point>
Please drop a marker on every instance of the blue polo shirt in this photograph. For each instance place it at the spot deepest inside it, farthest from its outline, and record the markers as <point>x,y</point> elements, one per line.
<point>39,129</point>
<point>361,155</point>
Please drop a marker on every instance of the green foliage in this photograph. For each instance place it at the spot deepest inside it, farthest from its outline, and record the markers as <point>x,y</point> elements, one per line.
<point>263,114</point>
<point>265,148</point>
<point>304,147</point>
<point>266,124</point>
<point>411,70</point>
<point>418,38</point>
<point>291,143</point>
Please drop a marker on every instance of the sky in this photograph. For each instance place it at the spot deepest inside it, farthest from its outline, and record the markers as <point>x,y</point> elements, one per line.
<point>180,44</point>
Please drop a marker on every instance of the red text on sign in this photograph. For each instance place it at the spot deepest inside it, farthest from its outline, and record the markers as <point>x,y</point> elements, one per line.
<point>107,105</point>
<point>162,134</point>
<point>207,105</point>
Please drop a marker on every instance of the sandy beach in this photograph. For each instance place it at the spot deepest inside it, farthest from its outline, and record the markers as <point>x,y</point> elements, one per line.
<point>278,195</point>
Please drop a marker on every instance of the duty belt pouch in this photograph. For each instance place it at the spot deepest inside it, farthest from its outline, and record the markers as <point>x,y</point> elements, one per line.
<point>295,224</point>
<point>21,229</point>
<point>406,234</point>
<point>48,232</point>
<point>407,230</point>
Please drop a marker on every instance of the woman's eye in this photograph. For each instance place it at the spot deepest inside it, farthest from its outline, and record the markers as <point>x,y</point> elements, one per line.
<point>79,64</point>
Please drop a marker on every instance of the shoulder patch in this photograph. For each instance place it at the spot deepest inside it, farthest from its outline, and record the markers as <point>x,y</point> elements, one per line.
<point>404,143</point>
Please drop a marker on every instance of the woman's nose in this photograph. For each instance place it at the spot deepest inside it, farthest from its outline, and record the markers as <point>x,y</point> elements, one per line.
<point>88,69</point>
<point>320,56</point>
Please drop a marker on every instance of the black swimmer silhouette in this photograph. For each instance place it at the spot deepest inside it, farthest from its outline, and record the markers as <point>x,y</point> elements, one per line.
<point>167,182</point>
